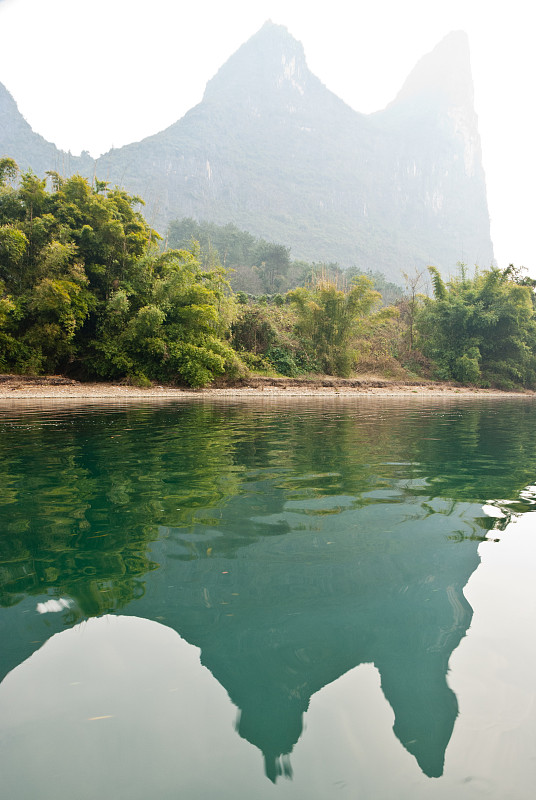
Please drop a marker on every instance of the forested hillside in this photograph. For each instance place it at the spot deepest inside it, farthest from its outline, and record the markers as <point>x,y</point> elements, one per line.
<point>257,267</point>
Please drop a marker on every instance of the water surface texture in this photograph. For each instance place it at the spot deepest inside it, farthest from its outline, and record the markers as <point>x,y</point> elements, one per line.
<point>205,600</point>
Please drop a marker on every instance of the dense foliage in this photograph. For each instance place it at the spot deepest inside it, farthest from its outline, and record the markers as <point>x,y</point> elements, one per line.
<point>481,330</point>
<point>88,289</point>
<point>84,288</point>
<point>330,320</point>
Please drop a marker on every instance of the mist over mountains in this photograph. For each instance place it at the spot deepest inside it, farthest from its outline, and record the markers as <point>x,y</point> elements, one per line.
<point>273,151</point>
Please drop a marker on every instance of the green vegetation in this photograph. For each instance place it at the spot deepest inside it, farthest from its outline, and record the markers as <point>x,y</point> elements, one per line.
<point>258,267</point>
<point>88,289</point>
<point>330,321</point>
<point>481,330</point>
<point>85,289</point>
<point>97,558</point>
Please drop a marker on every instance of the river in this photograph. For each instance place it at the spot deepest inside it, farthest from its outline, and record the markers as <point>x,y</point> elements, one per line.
<point>301,599</point>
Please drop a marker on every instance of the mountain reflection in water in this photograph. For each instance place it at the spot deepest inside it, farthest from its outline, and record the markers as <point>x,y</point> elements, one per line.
<point>318,594</point>
<point>289,544</point>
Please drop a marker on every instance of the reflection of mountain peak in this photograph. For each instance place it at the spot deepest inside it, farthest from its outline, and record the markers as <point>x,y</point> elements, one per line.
<point>300,606</point>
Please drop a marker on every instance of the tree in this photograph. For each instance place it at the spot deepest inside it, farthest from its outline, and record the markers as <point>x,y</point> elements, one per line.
<point>8,170</point>
<point>13,247</point>
<point>178,334</point>
<point>480,329</point>
<point>62,253</point>
<point>273,261</point>
<point>85,288</point>
<point>413,283</point>
<point>330,320</point>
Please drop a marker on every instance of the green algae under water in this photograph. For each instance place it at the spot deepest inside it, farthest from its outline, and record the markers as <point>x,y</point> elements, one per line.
<point>303,600</point>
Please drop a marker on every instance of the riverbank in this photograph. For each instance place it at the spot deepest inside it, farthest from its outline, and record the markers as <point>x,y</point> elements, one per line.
<point>52,387</point>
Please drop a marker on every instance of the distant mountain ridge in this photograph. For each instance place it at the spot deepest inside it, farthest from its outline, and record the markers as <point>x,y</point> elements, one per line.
<point>272,150</point>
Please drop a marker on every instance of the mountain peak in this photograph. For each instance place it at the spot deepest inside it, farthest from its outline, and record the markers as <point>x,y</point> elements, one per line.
<point>7,103</point>
<point>443,74</point>
<point>271,61</point>
<point>272,150</point>
<point>18,140</point>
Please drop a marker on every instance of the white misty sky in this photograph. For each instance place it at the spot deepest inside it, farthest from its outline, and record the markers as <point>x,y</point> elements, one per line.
<point>92,74</point>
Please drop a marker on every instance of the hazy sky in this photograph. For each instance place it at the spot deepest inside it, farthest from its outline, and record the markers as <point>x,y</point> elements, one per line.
<point>89,74</point>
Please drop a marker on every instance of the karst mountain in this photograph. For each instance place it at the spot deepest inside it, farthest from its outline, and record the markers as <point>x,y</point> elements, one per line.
<point>272,150</point>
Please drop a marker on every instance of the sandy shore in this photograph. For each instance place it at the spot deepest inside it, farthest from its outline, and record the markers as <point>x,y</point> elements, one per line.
<point>55,388</point>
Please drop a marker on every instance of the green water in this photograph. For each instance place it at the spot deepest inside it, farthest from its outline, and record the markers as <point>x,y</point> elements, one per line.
<point>249,600</point>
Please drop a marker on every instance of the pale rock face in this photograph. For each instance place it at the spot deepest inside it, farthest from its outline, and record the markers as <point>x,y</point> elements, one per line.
<point>435,201</point>
<point>465,127</point>
<point>290,73</point>
<point>289,68</point>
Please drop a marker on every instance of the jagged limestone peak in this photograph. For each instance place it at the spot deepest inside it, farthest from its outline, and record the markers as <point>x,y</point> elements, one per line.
<point>269,63</point>
<point>443,74</point>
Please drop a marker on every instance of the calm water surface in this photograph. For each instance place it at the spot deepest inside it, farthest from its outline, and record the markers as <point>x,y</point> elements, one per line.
<point>332,599</point>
